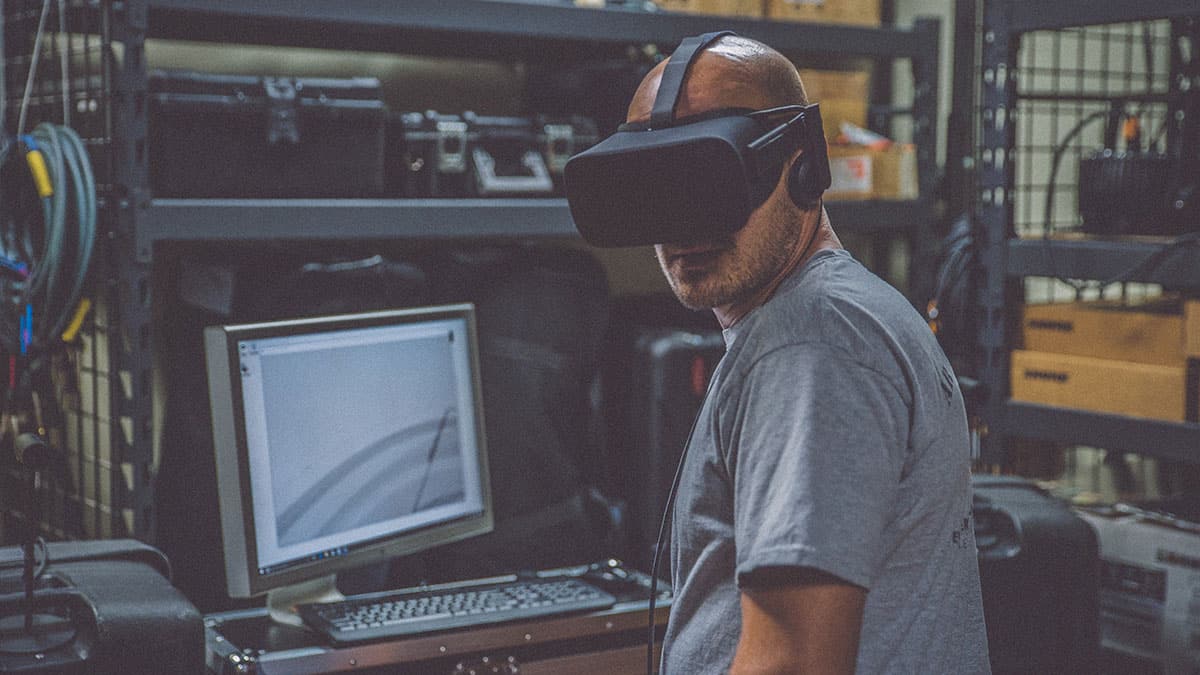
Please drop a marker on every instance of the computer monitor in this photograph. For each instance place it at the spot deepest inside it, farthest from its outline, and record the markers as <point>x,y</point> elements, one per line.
<point>341,441</point>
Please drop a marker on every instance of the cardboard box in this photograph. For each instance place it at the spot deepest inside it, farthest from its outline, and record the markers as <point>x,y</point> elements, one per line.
<point>1145,333</point>
<point>852,85</point>
<point>752,8</point>
<point>1191,328</point>
<point>843,95</point>
<point>856,12</point>
<point>1100,385</point>
<point>861,173</point>
<point>1150,580</point>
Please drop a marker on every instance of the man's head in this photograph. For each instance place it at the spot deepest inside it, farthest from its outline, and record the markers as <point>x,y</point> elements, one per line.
<point>733,72</point>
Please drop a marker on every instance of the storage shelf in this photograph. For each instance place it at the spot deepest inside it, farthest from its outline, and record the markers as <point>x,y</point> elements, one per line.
<point>491,28</point>
<point>344,219</point>
<point>1166,440</point>
<point>1103,259</point>
<point>1028,16</point>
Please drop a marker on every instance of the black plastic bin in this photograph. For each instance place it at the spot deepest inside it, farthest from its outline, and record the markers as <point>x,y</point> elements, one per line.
<point>263,137</point>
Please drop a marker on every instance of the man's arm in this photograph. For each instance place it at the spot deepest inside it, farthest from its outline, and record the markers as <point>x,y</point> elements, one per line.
<point>799,621</point>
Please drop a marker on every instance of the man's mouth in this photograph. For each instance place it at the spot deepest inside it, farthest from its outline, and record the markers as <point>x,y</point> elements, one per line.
<point>694,256</point>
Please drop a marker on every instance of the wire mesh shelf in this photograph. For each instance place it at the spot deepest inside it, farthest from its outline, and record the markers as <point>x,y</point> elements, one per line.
<point>64,77</point>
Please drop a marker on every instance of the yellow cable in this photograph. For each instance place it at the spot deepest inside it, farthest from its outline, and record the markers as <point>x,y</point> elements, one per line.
<point>41,177</point>
<point>81,311</point>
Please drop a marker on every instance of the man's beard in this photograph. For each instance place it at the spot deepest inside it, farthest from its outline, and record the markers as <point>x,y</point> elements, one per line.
<point>740,271</point>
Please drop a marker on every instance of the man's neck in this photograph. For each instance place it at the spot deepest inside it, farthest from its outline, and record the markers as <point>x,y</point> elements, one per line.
<point>807,245</point>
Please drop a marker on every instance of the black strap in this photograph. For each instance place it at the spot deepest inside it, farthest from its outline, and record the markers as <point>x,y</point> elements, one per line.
<point>663,113</point>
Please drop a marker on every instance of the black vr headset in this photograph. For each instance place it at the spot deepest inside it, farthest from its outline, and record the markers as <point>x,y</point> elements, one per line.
<point>674,180</point>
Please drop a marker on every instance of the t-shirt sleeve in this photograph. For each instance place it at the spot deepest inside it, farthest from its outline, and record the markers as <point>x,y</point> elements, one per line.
<point>816,445</point>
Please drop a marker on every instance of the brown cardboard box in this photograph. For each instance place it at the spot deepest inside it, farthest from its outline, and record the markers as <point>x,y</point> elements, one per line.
<point>722,7</point>
<point>1100,385</point>
<point>857,12</point>
<point>843,95</point>
<point>840,84</point>
<point>1191,328</point>
<point>1146,333</point>
<point>834,111</point>
<point>862,173</point>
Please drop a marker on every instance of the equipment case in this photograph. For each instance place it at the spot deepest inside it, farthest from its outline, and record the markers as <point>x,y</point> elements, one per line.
<point>1039,565</point>
<point>469,155</point>
<point>118,599</point>
<point>244,136</point>
<point>611,641</point>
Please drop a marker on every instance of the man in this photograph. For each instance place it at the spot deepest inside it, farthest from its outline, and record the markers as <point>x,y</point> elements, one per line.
<point>823,519</point>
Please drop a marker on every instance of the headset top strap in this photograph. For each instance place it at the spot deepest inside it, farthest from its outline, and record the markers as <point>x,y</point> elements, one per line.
<point>663,113</point>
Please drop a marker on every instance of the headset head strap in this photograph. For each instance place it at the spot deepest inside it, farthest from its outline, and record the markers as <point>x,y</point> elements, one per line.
<point>669,88</point>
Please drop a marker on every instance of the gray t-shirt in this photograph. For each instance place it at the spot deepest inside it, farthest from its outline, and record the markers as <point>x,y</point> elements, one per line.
<point>833,437</point>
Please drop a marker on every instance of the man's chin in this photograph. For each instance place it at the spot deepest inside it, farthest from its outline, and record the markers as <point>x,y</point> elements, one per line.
<point>697,297</point>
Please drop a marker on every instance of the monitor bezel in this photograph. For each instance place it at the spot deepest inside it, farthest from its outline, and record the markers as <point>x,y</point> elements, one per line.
<point>231,451</point>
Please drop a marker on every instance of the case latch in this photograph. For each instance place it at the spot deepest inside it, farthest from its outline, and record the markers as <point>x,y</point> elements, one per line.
<point>451,146</point>
<point>559,145</point>
<point>282,114</point>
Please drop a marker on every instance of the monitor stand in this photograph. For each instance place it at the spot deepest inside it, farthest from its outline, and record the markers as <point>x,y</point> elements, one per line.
<point>281,602</point>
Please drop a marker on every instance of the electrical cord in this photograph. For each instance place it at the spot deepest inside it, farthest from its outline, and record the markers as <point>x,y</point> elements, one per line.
<point>1050,187</point>
<point>33,66</point>
<point>56,249</point>
<point>669,506</point>
<point>946,310</point>
<point>68,260</point>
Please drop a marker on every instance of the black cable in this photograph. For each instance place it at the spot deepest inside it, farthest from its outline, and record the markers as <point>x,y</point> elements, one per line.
<point>1154,259</point>
<point>49,239</point>
<point>662,528</point>
<point>662,533</point>
<point>946,309</point>
<point>1047,220</point>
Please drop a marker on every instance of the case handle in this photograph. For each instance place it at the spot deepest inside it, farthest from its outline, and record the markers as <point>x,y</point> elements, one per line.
<point>538,182</point>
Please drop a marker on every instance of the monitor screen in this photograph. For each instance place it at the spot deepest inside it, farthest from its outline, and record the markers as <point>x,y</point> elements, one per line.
<point>344,440</point>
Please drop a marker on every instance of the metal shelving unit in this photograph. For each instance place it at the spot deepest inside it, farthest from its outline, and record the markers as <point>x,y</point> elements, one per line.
<point>183,220</point>
<point>495,28</point>
<point>1169,440</point>
<point>1014,89</point>
<point>512,30</point>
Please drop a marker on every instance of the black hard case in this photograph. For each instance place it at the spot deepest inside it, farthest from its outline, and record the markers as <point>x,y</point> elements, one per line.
<point>127,616</point>
<point>470,155</point>
<point>1039,565</point>
<point>652,400</point>
<point>244,136</point>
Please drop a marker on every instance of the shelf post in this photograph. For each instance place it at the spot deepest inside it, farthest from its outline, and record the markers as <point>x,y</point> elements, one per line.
<point>993,210</point>
<point>925,70</point>
<point>130,344</point>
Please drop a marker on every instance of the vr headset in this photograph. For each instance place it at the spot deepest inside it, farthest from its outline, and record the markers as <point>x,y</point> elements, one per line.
<point>694,178</point>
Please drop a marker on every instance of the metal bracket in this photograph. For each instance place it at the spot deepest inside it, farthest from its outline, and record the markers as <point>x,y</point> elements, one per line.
<point>451,147</point>
<point>282,126</point>
<point>559,145</point>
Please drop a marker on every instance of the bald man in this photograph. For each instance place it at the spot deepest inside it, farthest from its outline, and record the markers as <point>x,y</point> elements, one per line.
<point>823,521</point>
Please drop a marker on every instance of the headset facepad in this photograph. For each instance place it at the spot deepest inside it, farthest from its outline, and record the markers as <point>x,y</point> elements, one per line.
<point>693,178</point>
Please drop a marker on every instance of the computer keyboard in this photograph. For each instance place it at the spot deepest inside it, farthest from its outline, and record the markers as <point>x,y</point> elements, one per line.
<point>376,616</point>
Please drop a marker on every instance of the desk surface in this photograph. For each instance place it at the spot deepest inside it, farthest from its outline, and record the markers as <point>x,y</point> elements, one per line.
<point>610,640</point>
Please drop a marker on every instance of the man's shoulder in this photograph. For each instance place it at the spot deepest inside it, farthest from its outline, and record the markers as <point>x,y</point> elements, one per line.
<point>837,303</point>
